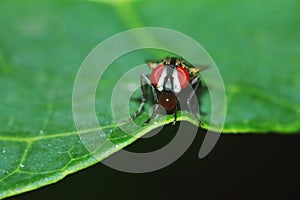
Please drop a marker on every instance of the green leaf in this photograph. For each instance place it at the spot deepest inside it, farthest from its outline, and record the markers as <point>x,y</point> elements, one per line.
<point>255,45</point>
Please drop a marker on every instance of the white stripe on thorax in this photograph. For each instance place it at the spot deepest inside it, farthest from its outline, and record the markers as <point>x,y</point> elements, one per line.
<point>168,85</point>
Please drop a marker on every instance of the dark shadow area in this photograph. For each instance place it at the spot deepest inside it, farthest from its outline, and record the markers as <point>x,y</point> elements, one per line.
<point>249,166</point>
<point>159,138</point>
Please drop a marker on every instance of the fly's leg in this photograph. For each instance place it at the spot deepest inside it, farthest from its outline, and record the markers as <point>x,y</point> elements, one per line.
<point>175,116</point>
<point>143,81</point>
<point>154,113</point>
<point>196,83</point>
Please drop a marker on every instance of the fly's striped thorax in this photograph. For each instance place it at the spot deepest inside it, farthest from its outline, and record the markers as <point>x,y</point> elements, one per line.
<point>169,79</point>
<point>170,75</point>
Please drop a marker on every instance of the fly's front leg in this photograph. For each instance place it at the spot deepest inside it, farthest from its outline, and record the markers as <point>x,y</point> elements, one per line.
<point>143,78</point>
<point>154,113</point>
<point>175,116</point>
<point>195,85</point>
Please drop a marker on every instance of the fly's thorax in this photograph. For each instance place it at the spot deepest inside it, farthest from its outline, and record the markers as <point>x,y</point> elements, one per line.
<point>170,77</point>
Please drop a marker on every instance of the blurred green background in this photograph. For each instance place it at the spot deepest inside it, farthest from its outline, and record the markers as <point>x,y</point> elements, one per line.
<point>254,43</point>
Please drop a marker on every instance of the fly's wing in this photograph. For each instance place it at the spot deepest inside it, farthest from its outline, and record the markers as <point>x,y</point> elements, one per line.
<point>195,70</point>
<point>153,64</point>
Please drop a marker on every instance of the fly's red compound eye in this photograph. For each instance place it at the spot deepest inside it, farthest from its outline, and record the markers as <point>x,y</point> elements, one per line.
<point>156,74</point>
<point>183,77</point>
